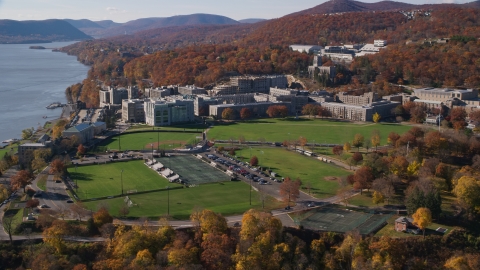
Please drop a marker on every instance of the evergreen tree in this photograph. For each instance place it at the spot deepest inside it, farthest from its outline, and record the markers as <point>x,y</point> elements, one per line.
<point>415,200</point>
<point>433,201</point>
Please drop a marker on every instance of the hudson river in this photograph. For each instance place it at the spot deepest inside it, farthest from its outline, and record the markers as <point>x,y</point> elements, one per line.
<point>31,80</point>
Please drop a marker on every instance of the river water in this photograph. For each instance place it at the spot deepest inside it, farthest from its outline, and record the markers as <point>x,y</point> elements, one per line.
<point>29,81</point>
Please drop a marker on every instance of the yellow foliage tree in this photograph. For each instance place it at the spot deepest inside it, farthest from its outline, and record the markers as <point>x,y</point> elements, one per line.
<point>413,167</point>
<point>378,197</point>
<point>467,190</point>
<point>376,117</point>
<point>375,139</point>
<point>422,218</point>
<point>143,259</point>
<point>54,235</point>
<point>347,147</point>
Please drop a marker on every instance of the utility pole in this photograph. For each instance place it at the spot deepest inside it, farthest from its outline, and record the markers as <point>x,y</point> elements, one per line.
<point>168,200</point>
<point>121,180</point>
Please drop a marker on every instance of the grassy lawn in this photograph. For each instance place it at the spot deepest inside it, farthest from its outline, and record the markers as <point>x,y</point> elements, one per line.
<point>42,182</point>
<point>8,149</point>
<point>320,130</point>
<point>228,198</point>
<point>140,141</point>
<point>309,170</point>
<point>389,229</point>
<point>363,200</point>
<point>105,179</point>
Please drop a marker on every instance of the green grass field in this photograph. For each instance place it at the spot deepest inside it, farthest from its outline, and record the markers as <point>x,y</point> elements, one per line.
<point>105,179</point>
<point>292,164</point>
<point>8,149</point>
<point>322,131</point>
<point>228,198</point>
<point>140,141</point>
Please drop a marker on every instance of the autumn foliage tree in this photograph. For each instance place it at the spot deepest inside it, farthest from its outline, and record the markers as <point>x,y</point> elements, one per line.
<point>363,178</point>
<point>57,167</point>
<point>290,190</point>
<point>337,150</point>
<point>358,141</point>
<point>245,113</point>
<point>422,218</point>
<point>81,150</point>
<point>228,114</point>
<point>274,111</point>
<point>102,216</point>
<point>310,109</point>
<point>254,161</point>
<point>21,179</point>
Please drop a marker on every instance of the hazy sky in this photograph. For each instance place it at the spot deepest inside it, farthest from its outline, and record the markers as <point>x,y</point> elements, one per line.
<point>126,10</point>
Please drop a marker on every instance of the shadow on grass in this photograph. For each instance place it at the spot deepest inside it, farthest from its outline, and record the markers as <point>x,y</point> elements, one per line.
<point>82,176</point>
<point>290,119</point>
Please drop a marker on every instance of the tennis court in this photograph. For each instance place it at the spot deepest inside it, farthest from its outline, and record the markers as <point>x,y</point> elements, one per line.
<point>192,170</point>
<point>340,220</point>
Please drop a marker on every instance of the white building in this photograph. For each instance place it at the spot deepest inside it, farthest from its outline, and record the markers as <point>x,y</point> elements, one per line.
<point>306,48</point>
<point>165,113</point>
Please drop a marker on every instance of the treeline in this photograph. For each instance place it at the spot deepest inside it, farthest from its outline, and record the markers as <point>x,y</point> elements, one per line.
<point>260,243</point>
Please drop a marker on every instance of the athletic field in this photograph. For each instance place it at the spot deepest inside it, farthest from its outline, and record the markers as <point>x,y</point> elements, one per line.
<point>340,220</point>
<point>192,170</point>
<point>321,130</point>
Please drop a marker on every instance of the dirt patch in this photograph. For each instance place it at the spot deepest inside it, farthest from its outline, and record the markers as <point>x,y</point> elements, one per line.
<point>166,143</point>
<point>331,178</point>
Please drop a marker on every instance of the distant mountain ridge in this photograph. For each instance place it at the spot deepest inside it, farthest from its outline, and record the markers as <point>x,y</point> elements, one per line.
<point>102,29</point>
<point>39,31</point>
<point>339,6</point>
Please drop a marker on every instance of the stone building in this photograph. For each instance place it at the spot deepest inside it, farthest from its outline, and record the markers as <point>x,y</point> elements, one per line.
<point>364,99</point>
<point>133,110</point>
<point>25,151</point>
<point>360,112</point>
<point>84,132</point>
<point>168,112</point>
<point>191,90</point>
<point>258,109</point>
<point>112,96</point>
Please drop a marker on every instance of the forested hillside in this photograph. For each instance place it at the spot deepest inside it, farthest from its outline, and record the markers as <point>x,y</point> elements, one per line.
<point>202,55</point>
<point>38,31</point>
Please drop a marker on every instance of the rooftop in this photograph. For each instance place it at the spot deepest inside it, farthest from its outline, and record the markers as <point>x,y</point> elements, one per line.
<point>79,127</point>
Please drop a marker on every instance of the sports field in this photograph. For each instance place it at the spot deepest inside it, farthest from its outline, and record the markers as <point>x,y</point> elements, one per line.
<point>193,171</point>
<point>322,131</point>
<point>143,140</point>
<point>319,175</point>
<point>227,198</point>
<point>339,220</point>
<point>106,179</point>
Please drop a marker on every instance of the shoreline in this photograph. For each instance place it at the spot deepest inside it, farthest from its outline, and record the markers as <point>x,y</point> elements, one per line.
<point>49,88</point>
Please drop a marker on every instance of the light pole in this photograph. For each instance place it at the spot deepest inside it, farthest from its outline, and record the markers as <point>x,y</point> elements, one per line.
<point>76,180</point>
<point>158,140</point>
<point>121,180</point>
<point>119,137</point>
<point>168,201</point>
<point>152,150</point>
<point>250,191</point>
